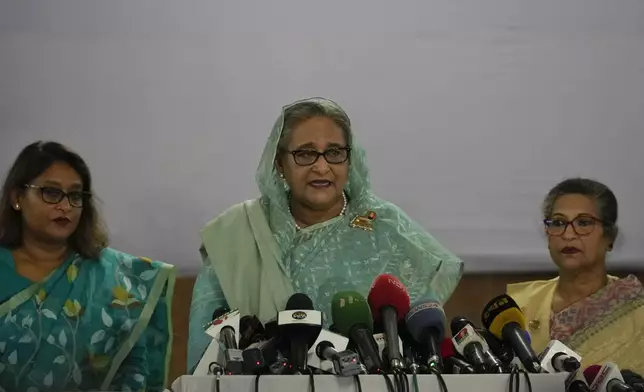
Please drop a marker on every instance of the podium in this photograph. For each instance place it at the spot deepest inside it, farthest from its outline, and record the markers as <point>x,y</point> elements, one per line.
<point>370,383</point>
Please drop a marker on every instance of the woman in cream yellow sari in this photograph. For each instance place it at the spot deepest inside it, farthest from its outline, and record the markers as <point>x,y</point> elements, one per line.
<point>599,316</point>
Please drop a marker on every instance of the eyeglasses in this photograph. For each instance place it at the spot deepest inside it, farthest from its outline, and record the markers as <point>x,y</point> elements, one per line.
<point>581,225</point>
<point>53,195</point>
<point>333,156</point>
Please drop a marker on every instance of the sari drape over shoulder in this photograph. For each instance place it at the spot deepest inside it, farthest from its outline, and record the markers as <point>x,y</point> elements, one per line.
<point>606,326</point>
<point>254,258</point>
<point>100,324</point>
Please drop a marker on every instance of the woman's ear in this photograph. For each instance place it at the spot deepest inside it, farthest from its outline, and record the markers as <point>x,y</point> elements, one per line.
<point>279,168</point>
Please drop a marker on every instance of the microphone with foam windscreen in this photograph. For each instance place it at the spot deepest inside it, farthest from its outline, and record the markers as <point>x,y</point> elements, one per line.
<point>606,378</point>
<point>299,327</point>
<point>503,318</point>
<point>451,362</point>
<point>389,302</point>
<point>352,318</point>
<point>425,321</point>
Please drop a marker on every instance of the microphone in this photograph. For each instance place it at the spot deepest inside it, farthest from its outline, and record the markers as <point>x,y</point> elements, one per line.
<point>224,332</point>
<point>607,378</point>
<point>352,318</point>
<point>299,326</point>
<point>557,357</point>
<point>504,319</point>
<point>381,342</point>
<point>473,346</point>
<point>634,380</point>
<point>260,355</point>
<point>331,348</point>
<point>251,331</point>
<point>452,363</point>
<point>220,312</point>
<point>389,302</point>
<point>501,351</point>
<point>425,322</point>
<point>575,382</point>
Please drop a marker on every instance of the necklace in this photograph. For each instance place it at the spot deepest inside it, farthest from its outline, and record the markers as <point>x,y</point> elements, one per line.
<point>342,212</point>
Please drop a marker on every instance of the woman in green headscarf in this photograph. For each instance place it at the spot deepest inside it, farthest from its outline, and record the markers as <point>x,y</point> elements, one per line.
<point>316,229</point>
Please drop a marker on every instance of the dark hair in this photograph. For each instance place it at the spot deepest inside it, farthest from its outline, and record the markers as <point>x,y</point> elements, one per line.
<point>603,196</point>
<point>90,237</point>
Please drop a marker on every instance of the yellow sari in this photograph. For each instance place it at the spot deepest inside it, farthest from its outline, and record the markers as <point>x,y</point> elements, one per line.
<point>606,326</point>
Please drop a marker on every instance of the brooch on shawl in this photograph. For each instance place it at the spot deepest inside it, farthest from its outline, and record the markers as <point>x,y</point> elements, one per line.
<point>364,222</point>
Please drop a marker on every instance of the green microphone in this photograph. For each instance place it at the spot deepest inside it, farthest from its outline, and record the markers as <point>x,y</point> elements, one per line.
<point>352,318</point>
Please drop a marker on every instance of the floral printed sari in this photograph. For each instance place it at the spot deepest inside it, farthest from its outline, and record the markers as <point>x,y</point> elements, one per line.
<point>90,325</point>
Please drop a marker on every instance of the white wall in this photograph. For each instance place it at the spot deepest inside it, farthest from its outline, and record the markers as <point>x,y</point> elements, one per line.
<point>483,104</point>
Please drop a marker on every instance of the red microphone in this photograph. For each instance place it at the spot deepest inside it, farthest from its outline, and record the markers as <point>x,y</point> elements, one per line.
<point>451,362</point>
<point>389,302</point>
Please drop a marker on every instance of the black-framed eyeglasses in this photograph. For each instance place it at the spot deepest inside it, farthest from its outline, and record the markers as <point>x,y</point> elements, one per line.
<point>334,156</point>
<point>53,195</point>
<point>581,225</point>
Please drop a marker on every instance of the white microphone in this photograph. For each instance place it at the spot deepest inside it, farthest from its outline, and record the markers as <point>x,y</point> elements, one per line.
<point>472,346</point>
<point>338,342</point>
<point>557,357</point>
<point>609,379</point>
<point>225,332</point>
<point>329,353</point>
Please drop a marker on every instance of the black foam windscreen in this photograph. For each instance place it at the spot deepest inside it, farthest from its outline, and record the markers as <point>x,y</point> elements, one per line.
<point>299,301</point>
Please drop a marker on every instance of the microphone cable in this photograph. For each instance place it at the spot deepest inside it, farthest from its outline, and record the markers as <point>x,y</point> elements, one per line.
<point>216,369</point>
<point>356,378</point>
<point>515,379</point>
<point>439,378</point>
<point>311,380</point>
<point>390,386</point>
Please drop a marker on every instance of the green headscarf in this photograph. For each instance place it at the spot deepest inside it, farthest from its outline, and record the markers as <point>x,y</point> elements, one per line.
<point>438,263</point>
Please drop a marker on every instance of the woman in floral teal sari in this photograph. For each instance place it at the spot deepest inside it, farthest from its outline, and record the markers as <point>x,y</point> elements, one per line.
<point>316,229</point>
<point>74,314</point>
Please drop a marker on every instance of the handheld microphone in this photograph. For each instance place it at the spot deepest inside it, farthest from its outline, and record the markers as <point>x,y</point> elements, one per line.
<point>425,322</point>
<point>557,357</point>
<point>452,363</point>
<point>225,330</point>
<point>473,346</point>
<point>251,331</point>
<point>575,382</point>
<point>504,319</point>
<point>389,302</point>
<point>260,355</point>
<point>352,318</point>
<point>299,326</point>
<point>501,351</point>
<point>334,340</point>
<point>633,379</point>
<point>607,378</point>
<point>331,348</point>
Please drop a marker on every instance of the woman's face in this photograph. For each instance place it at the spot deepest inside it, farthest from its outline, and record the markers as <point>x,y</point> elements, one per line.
<point>316,181</point>
<point>48,216</point>
<point>576,237</point>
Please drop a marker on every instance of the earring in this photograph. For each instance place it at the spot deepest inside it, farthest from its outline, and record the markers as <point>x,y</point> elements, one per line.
<point>17,207</point>
<point>282,175</point>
